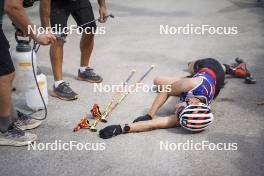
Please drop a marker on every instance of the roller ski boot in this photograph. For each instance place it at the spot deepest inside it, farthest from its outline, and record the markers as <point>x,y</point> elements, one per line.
<point>239,70</point>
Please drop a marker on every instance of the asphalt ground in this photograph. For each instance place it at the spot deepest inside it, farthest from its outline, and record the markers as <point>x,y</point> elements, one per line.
<point>133,41</point>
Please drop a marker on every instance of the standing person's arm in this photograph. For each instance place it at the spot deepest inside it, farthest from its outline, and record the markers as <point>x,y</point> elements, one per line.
<point>102,11</point>
<point>17,14</point>
<point>44,10</point>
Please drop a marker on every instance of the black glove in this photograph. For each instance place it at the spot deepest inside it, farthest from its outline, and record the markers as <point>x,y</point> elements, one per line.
<point>110,131</point>
<point>143,118</point>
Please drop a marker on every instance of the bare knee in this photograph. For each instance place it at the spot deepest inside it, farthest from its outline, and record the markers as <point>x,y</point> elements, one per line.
<point>191,67</point>
<point>59,43</point>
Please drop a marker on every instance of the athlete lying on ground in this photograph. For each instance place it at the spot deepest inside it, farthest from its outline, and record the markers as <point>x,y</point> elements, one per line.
<point>196,94</point>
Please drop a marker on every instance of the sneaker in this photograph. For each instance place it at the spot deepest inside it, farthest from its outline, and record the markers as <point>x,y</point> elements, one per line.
<point>89,75</point>
<point>26,122</point>
<point>16,137</point>
<point>64,92</point>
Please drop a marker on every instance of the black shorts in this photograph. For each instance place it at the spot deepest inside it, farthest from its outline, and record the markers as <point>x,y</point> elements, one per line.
<point>6,64</point>
<point>81,11</point>
<point>216,67</point>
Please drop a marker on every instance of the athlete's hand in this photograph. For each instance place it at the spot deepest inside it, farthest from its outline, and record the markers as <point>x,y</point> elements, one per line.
<point>143,118</point>
<point>45,39</point>
<point>103,14</point>
<point>110,131</point>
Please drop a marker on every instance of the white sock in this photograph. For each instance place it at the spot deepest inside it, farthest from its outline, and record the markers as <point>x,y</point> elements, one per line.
<point>57,83</point>
<point>82,69</point>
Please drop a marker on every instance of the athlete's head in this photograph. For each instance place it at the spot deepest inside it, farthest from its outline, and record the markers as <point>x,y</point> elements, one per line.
<point>189,101</point>
<point>196,117</point>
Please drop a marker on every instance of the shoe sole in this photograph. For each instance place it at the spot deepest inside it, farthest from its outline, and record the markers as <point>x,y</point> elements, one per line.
<point>87,80</point>
<point>31,127</point>
<point>17,144</point>
<point>53,94</point>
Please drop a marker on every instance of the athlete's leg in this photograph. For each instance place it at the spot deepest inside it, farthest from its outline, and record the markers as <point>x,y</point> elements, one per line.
<point>160,80</point>
<point>191,67</point>
<point>178,87</point>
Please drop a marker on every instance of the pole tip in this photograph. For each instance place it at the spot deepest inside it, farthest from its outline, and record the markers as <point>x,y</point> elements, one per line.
<point>134,70</point>
<point>93,129</point>
<point>152,66</point>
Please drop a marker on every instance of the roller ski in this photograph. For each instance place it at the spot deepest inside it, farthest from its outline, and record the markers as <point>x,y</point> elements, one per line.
<point>102,116</point>
<point>98,115</point>
<point>239,69</point>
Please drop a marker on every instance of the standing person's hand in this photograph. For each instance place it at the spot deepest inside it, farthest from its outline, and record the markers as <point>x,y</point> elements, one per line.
<point>45,39</point>
<point>103,14</point>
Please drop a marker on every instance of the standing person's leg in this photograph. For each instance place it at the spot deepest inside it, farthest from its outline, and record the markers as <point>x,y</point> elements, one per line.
<point>9,135</point>
<point>86,47</point>
<point>83,14</point>
<point>60,13</point>
<point>56,58</point>
<point>5,94</point>
<point>5,101</point>
<point>6,77</point>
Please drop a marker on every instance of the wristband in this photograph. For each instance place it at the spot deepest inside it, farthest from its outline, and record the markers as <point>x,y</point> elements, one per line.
<point>126,128</point>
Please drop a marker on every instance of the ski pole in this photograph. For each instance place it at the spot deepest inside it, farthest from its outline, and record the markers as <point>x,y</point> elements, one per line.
<point>93,126</point>
<point>103,118</point>
<point>64,34</point>
<point>116,96</point>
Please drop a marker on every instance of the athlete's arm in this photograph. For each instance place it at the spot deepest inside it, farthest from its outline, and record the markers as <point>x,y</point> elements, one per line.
<point>44,10</point>
<point>102,11</point>
<point>157,123</point>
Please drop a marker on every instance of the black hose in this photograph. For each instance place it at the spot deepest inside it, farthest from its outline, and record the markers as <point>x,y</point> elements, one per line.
<point>35,49</point>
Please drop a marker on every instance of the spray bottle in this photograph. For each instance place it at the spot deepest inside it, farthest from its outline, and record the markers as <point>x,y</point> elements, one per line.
<point>24,59</point>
